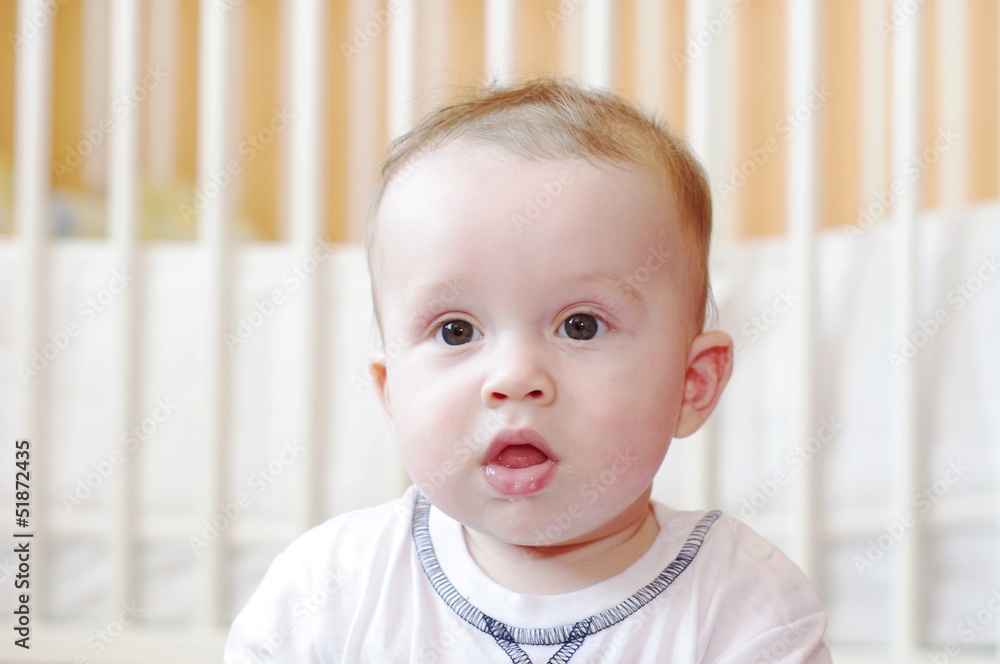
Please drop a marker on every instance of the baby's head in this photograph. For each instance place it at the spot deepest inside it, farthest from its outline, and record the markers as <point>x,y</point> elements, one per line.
<point>558,120</point>
<point>538,257</point>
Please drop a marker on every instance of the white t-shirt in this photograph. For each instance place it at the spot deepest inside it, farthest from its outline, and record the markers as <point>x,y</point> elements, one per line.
<point>396,583</point>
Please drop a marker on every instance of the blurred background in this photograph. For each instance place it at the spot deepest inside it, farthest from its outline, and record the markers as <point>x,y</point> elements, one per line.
<point>751,49</point>
<point>187,316</point>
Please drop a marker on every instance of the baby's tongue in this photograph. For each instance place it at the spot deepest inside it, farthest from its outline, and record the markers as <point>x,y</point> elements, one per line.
<point>521,456</point>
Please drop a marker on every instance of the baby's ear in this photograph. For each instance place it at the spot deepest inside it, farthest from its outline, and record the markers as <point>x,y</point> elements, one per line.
<point>377,371</point>
<point>710,363</point>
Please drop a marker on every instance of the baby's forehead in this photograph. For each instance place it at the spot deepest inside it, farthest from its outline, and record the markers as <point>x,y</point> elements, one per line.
<point>478,180</point>
<point>485,190</point>
<point>462,160</point>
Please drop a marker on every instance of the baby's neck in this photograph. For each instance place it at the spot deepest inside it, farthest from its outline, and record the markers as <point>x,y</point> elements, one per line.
<point>552,570</point>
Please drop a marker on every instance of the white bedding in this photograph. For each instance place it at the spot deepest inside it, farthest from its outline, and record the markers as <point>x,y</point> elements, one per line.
<point>959,416</point>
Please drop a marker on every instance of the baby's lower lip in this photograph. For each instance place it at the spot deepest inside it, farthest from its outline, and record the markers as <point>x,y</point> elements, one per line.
<point>519,481</point>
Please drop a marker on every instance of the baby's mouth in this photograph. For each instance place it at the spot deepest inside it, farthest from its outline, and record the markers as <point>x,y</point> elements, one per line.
<point>521,456</point>
<point>519,463</point>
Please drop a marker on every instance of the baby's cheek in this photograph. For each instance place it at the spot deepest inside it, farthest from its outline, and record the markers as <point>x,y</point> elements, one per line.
<point>431,450</point>
<point>628,458</point>
<point>630,471</point>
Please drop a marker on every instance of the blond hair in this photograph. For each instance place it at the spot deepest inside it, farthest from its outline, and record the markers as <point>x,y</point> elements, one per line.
<point>558,119</point>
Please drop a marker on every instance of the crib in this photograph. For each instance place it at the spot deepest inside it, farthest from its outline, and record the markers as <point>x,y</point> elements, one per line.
<point>194,405</point>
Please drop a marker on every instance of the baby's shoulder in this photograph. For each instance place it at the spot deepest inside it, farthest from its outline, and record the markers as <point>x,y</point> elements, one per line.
<point>358,539</point>
<point>321,579</point>
<point>735,560</point>
<point>749,600</point>
<point>718,535</point>
<point>733,540</point>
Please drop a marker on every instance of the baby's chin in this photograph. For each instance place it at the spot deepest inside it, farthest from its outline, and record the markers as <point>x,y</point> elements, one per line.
<point>520,535</point>
<point>547,520</point>
<point>518,523</point>
<point>543,541</point>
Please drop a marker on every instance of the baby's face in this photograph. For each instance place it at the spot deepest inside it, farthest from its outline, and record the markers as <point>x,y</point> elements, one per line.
<point>537,337</point>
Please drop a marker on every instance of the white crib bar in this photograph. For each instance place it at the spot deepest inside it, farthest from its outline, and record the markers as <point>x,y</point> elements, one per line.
<point>874,100</point>
<point>599,29</point>
<point>952,98</point>
<point>94,89</point>
<point>305,175</point>
<point>123,225</point>
<point>213,240</point>
<point>364,136</point>
<point>696,82</point>
<point>32,147</point>
<point>501,40</point>
<point>723,57</point>
<point>905,635</point>
<point>803,220</point>
<point>651,55</point>
<point>437,34</point>
<point>701,489</point>
<point>570,30</point>
<point>402,69</point>
<point>161,123</point>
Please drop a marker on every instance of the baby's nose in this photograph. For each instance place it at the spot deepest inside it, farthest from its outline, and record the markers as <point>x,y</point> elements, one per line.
<point>534,395</point>
<point>519,378</point>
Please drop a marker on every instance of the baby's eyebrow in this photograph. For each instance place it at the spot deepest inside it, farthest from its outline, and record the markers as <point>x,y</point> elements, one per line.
<point>613,280</point>
<point>425,297</point>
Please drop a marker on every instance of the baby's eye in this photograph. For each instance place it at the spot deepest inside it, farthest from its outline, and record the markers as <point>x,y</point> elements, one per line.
<point>583,327</point>
<point>458,332</point>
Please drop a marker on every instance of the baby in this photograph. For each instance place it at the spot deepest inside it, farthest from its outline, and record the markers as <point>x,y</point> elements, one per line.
<point>539,266</point>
